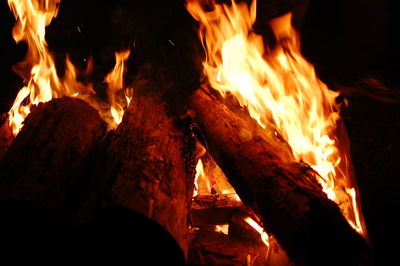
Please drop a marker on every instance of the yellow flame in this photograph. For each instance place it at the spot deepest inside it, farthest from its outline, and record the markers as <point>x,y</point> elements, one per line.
<point>115,80</point>
<point>202,184</point>
<point>279,88</point>
<point>38,68</point>
<point>223,228</point>
<point>39,71</point>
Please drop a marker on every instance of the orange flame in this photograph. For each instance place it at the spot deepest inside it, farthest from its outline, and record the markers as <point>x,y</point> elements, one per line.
<point>210,179</point>
<point>39,71</point>
<point>115,80</point>
<point>279,88</point>
<point>201,182</point>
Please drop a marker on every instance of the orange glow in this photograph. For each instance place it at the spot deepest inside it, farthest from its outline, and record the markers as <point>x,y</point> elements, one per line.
<point>280,90</point>
<point>39,71</point>
<point>223,228</point>
<point>264,236</point>
<point>201,182</point>
<point>115,80</point>
<point>210,179</point>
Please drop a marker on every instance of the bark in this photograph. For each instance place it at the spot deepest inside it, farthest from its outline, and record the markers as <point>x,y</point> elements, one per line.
<point>44,160</point>
<point>283,193</point>
<point>149,168</point>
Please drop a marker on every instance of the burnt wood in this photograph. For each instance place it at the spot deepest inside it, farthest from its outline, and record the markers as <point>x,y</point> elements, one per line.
<point>45,159</point>
<point>148,167</point>
<point>283,193</point>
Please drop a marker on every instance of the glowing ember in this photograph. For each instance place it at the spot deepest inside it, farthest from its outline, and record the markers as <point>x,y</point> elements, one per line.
<point>39,71</point>
<point>224,228</point>
<point>264,236</point>
<point>280,89</point>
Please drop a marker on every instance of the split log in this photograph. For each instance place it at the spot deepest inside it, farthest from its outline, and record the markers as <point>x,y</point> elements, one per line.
<point>214,209</point>
<point>283,193</point>
<point>148,167</point>
<point>44,160</point>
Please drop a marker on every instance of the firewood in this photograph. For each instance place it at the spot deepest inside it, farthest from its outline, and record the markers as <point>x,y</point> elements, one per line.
<point>213,209</point>
<point>148,167</point>
<point>44,160</point>
<point>209,247</point>
<point>283,193</point>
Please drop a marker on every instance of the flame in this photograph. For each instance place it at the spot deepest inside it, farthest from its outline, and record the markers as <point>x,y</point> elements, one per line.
<point>264,236</point>
<point>280,90</point>
<point>39,71</point>
<point>115,80</point>
<point>38,67</point>
<point>201,182</point>
<point>209,178</point>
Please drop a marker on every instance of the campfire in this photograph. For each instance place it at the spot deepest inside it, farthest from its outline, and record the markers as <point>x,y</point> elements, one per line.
<point>254,168</point>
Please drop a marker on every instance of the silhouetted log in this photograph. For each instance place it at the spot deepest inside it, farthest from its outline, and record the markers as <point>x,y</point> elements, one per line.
<point>44,160</point>
<point>214,209</point>
<point>149,168</point>
<point>6,135</point>
<point>283,193</point>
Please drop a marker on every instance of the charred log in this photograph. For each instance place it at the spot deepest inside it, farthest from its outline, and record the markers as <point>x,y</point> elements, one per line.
<point>148,167</point>
<point>283,193</point>
<point>44,160</point>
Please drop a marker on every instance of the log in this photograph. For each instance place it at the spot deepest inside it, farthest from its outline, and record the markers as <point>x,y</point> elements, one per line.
<point>213,209</point>
<point>209,247</point>
<point>283,193</point>
<point>148,168</point>
<point>42,164</point>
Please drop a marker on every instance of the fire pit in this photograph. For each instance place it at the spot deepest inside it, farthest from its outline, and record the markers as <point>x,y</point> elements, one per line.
<point>199,130</point>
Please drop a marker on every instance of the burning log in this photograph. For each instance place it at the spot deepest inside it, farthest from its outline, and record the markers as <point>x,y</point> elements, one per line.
<point>283,193</point>
<point>148,167</point>
<point>6,135</point>
<point>44,160</point>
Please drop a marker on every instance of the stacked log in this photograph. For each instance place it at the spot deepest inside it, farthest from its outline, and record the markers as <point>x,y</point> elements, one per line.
<point>148,167</point>
<point>43,162</point>
<point>283,193</point>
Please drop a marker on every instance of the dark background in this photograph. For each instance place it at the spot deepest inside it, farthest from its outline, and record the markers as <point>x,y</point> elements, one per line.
<point>352,43</point>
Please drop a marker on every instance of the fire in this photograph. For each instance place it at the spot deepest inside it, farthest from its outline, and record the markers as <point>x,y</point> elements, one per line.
<point>224,228</point>
<point>115,80</point>
<point>264,236</point>
<point>280,90</point>
<point>39,70</point>
<point>210,179</point>
<point>200,179</point>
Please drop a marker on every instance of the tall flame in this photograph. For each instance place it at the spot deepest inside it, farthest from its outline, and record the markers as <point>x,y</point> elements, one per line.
<point>115,80</point>
<point>38,68</point>
<point>279,88</point>
<point>39,71</point>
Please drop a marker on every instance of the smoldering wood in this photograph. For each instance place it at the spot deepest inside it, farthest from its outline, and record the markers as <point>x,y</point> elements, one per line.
<point>148,167</point>
<point>283,193</point>
<point>42,164</point>
<point>213,209</point>
<point>6,135</point>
